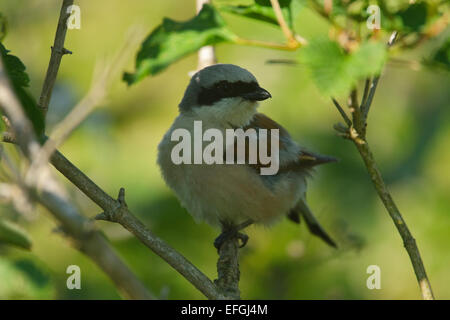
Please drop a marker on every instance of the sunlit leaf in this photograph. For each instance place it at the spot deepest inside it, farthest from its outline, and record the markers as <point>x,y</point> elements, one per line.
<point>173,40</point>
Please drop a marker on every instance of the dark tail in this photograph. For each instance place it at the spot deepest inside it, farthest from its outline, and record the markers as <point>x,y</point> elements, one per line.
<point>312,223</point>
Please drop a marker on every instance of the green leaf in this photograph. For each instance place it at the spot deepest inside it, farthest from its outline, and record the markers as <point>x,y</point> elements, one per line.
<point>262,10</point>
<point>12,234</point>
<point>20,80</point>
<point>173,40</point>
<point>414,16</point>
<point>336,72</point>
<point>15,68</point>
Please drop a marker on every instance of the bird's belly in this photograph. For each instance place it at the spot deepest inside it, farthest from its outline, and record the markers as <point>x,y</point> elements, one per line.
<point>231,193</point>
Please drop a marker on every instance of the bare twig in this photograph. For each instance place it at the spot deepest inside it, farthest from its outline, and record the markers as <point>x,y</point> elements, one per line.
<point>117,211</point>
<point>328,6</point>
<point>265,44</point>
<point>228,269</point>
<point>106,73</point>
<point>58,51</point>
<point>283,25</point>
<point>356,113</point>
<point>293,41</point>
<point>367,83</point>
<point>46,191</point>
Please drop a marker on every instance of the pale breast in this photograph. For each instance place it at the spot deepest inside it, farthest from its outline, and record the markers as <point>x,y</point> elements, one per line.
<point>228,192</point>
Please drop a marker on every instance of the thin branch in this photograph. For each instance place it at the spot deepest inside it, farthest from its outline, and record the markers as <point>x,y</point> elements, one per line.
<point>365,104</point>
<point>45,189</point>
<point>58,51</point>
<point>365,107</point>
<point>283,25</point>
<point>228,269</point>
<point>356,113</point>
<point>101,82</point>
<point>266,44</point>
<point>367,83</point>
<point>294,41</point>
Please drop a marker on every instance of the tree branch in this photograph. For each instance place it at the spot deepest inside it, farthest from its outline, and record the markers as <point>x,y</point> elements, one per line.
<point>359,139</point>
<point>58,51</point>
<point>342,112</point>
<point>41,185</point>
<point>117,211</point>
<point>408,240</point>
<point>265,44</point>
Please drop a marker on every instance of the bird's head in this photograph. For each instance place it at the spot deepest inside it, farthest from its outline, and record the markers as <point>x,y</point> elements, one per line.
<point>223,92</point>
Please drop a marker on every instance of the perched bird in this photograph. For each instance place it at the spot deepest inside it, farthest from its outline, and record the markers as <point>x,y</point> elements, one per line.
<point>233,196</point>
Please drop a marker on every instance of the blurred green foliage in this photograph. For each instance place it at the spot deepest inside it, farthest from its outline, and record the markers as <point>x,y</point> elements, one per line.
<point>11,234</point>
<point>262,10</point>
<point>409,130</point>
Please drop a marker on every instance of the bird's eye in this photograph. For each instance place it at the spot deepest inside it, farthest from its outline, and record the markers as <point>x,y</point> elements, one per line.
<point>222,86</point>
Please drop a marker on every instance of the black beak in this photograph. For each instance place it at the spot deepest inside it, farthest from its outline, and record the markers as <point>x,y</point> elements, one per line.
<point>257,95</point>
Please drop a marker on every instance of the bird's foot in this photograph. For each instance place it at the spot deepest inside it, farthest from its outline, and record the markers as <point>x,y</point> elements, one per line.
<point>228,235</point>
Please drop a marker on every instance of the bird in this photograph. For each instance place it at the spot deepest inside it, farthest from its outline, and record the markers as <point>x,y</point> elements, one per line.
<point>232,196</point>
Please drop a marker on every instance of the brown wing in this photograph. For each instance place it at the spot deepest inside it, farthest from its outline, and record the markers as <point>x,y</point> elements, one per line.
<point>306,159</point>
<point>260,121</point>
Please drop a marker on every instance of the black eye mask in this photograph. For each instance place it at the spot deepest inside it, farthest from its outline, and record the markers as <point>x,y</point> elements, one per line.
<point>225,89</point>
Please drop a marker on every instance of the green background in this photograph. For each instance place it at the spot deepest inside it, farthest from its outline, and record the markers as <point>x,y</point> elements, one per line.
<point>409,132</point>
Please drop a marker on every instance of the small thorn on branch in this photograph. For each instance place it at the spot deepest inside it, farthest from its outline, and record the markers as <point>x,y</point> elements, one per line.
<point>102,216</point>
<point>62,52</point>
<point>116,214</point>
<point>340,127</point>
